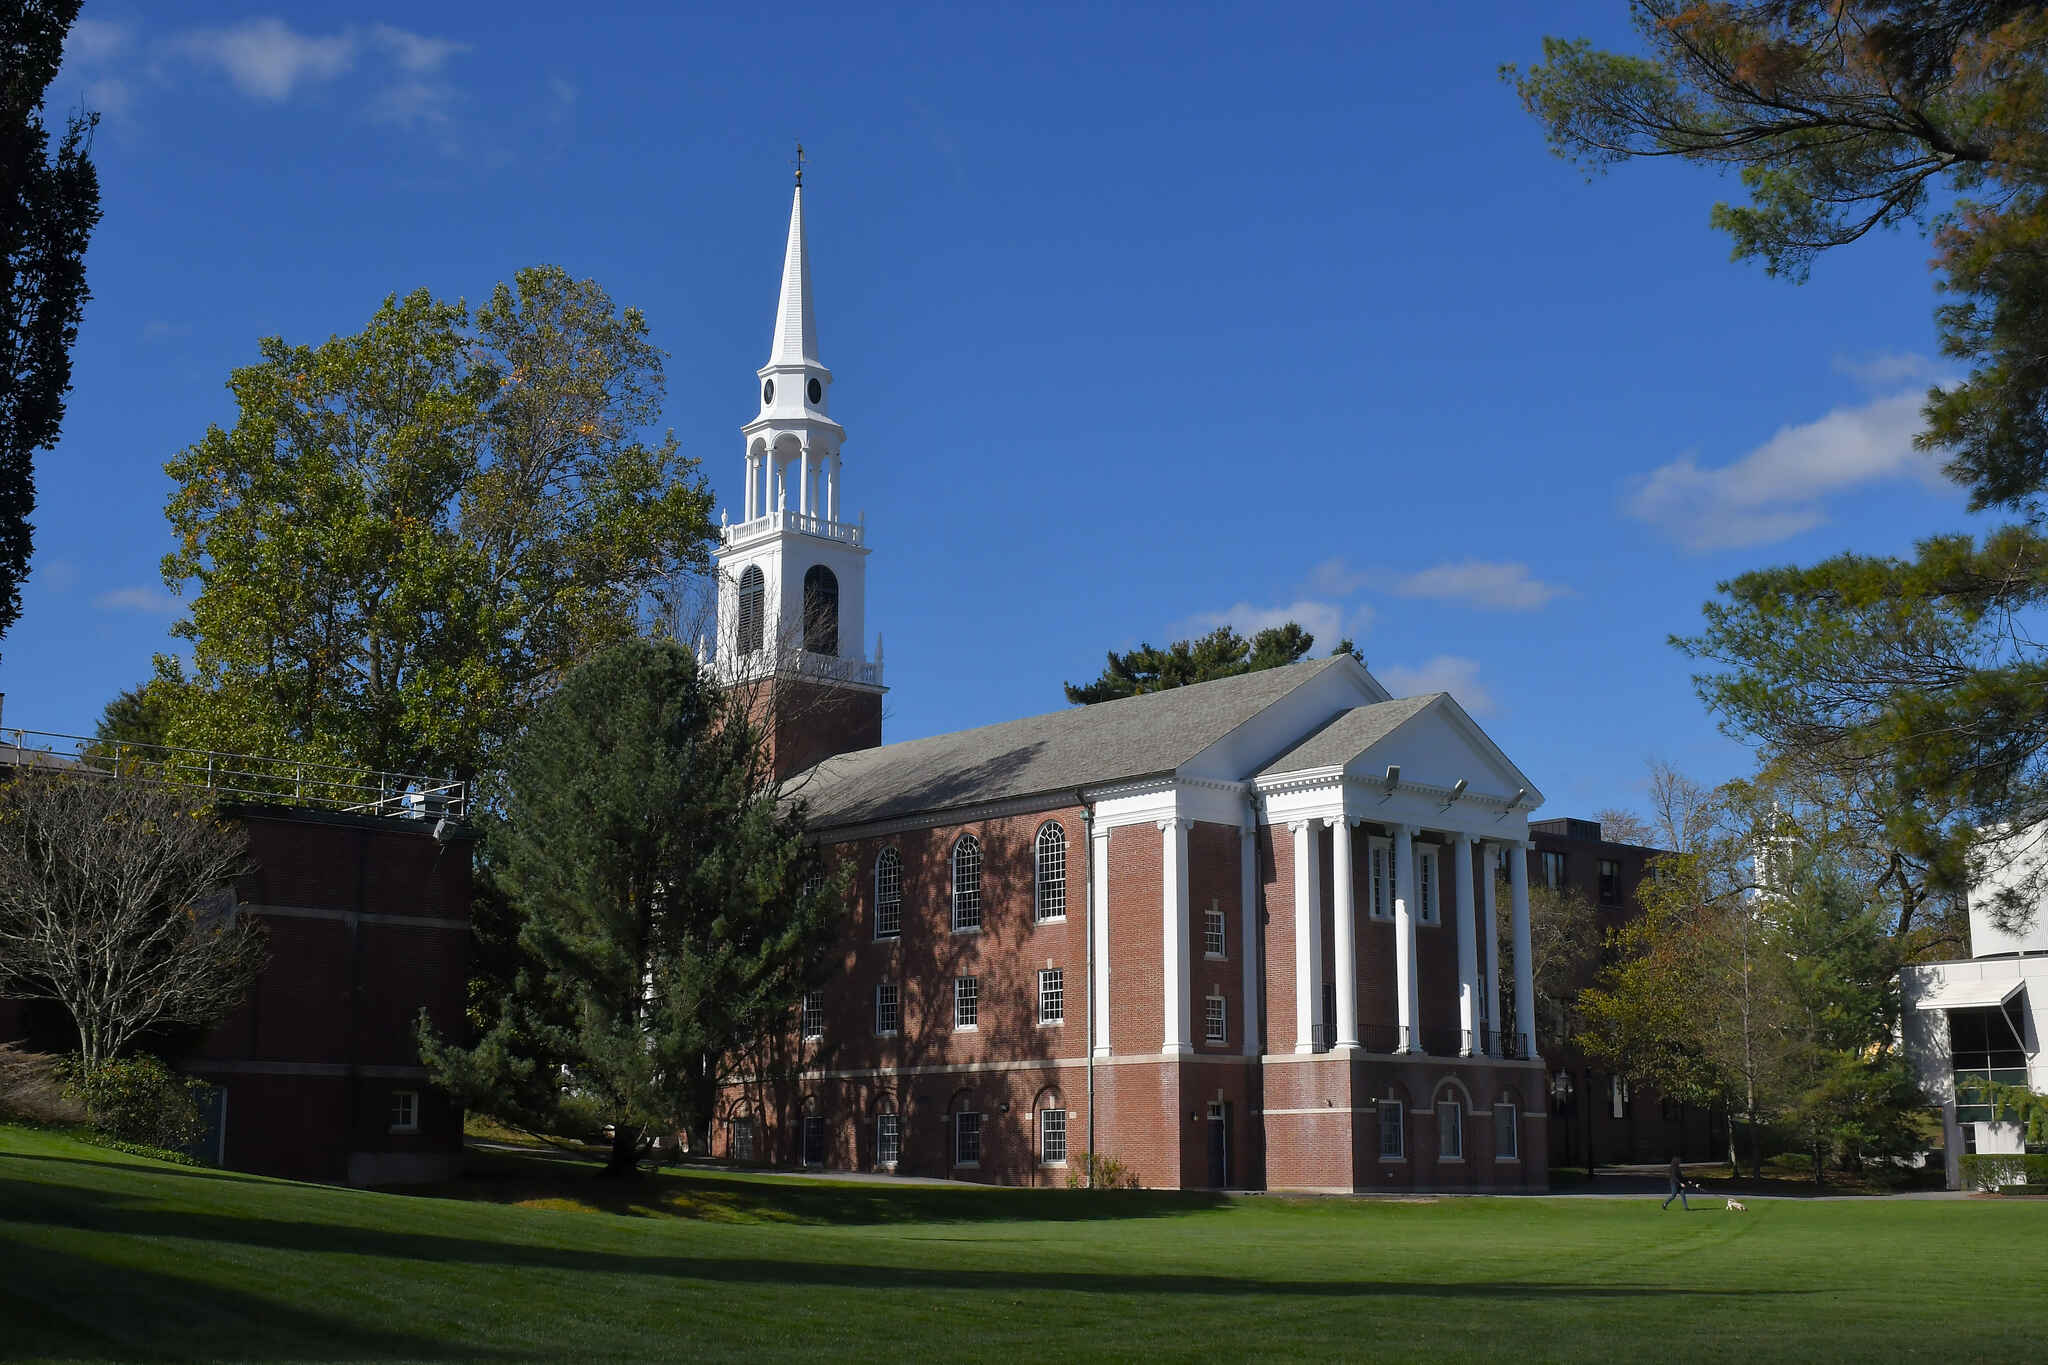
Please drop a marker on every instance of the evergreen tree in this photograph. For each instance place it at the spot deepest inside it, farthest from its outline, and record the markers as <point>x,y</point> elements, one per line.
<point>1222,653</point>
<point>670,910</point>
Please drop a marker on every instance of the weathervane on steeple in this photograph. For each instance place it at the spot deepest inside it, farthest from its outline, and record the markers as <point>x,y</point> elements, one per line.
<point>799,165</point>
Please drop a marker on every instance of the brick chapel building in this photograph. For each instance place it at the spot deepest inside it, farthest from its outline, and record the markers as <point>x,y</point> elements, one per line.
<point>1232,935</point>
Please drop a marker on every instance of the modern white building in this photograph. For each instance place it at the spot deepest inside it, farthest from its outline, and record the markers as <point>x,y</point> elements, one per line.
<point>1984,1015</point>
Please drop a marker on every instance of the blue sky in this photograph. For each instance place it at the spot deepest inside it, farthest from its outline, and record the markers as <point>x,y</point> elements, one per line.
<point>1141,320</point>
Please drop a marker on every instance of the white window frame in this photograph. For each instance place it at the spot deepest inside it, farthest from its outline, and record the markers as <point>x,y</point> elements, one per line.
<point>1617,1097</point>
<point>1393,1119</point>
<point>407,1102</point>
<point>1427,889</point>
<point>812,1016</point>
<point>1051,1122</point>
<point>1379,896</point>
<point>1215,933</point>
<point>888,1139</point>
<point>966,1004</point>
<point>1450,1130</point>
<point>889,898</point>
<point>965,865</point>
<point>1216,1020</point>
<point>1049,883</point>
<point>960,1130</point>
<point>1054,978</point>
<point>1513,1129</point>
<point>895,1004</point>
<point>808,1124</point>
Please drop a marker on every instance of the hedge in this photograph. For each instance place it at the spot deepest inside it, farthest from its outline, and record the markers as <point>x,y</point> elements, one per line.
<point>1989,1171</point>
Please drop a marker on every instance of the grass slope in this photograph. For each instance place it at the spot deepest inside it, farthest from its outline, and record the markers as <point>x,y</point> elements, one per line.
<point>104,1256</point>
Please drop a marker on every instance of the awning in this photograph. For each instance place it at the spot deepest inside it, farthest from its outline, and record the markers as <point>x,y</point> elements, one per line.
<point>1966,995</point>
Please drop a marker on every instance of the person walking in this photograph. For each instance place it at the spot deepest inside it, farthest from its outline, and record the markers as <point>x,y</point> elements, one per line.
<point>1677,1187</point>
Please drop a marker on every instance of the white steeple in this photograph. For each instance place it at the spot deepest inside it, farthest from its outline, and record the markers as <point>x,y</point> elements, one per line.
<point>792,569</point>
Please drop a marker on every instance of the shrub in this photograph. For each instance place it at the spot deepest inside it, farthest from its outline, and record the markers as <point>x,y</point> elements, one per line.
<point>139,1099</point>
<point>32,1089</point>
<point>1989,1171</point>
<point>1100,1172</point>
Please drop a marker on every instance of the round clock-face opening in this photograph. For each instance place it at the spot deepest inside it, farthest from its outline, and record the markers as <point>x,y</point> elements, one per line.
<point>768,391</point>
<point>817,390</point>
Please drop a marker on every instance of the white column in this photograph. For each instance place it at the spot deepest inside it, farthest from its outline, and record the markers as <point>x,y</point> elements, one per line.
<point>1173,947</point>
<point>747,503</point>
<point>803,481</point>
<point>832,491</point>
<point>1407,997</point>
<point>779,477</point>
<point>1468,957</point>
<point>1489,939</point>
<point>1248,903</point>
<point>1525,983</point>
<point>1308,935</point>
<point>1099,871</point>
<point>1344,941</point>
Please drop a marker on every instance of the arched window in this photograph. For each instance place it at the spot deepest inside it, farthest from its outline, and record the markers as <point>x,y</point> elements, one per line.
<point>888,894</point>
<point>821,611</point>
<point>967,883</point>
<point>753,597</point>
<point>1052,871</point>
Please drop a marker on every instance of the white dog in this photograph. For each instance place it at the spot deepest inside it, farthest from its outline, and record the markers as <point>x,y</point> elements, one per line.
<point>1737,1206</point>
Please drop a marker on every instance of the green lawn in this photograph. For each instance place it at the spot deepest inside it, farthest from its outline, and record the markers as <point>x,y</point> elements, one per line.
<point>104,1256</point>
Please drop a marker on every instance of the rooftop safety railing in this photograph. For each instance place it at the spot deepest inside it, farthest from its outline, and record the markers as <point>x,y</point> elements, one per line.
<point>241,777</point>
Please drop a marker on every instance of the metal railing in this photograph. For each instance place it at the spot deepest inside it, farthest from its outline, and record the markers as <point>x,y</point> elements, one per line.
<point>243,777</point>
<point>800,663</point>
<point>825,528</point>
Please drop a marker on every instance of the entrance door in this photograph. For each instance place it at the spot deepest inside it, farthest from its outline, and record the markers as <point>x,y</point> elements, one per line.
<point>814,1140</point>
<point>1219,1145</point>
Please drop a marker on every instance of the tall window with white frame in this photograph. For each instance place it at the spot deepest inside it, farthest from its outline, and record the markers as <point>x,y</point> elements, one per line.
<point>1380,859</point>
<point>967,883</point>
<point>1052,996</point>
<point>1425,884</point>
<point>405,1111</point>
<point>967,1138</point>
<point>888,1138</point>
<point>966,1002</point>
<point>1216,1021</point>
<point>888,1010</point>
<point>1507,1131</point>
<point>813,1015</point>
<point>1450,1130</point>
<point>1052,872</point>
<point>888,894</point>
<point>1052,1137</point>
<point>1393,1131</point>
<point>1214,942</point>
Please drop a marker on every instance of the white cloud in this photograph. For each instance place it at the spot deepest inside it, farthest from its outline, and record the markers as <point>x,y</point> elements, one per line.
<point>58,575</point>
<point>1778,489</point>
<point>156,329</point>
<point>109,95</point>
<point>1450,673</point>
<point>1886,368</point>
<point>1482,583</point>
<point>267,58</point>
<point>415,52</point>
<point>141,598</point>
<point>1329,622</point>
<point>1336,577</point>
<point>413,104</point>
<point>92,41</point>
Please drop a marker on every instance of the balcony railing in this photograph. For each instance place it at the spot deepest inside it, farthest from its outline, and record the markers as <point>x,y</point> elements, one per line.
<point>801,663</point>
<point>240,777</point>
<point>824,528</point>
<point>1392,1039</point>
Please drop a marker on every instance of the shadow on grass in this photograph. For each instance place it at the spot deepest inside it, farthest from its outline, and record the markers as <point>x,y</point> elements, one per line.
<point>114,1215</point>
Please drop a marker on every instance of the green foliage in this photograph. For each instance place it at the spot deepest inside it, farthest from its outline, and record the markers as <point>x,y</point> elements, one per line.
<point>1995,1171</point>
<point>1222,653</point>
<point>1095,1171</point>
<point>409,534</point>
<point>140,1100</point>
<point>49,206</point>
<point>670,910</point>
<point>136,715</point>
<point>2014,1104</point>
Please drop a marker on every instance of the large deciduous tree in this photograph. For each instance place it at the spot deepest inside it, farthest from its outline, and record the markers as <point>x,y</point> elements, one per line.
<point>49,205</point>
<point>670,909</point>
<point>117,901</point>
<point>409,535</point>
<point>1222,653</point>
<point>1911,682</point>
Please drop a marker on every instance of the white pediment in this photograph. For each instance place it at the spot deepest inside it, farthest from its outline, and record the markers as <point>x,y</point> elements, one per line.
<point>1437,748</point>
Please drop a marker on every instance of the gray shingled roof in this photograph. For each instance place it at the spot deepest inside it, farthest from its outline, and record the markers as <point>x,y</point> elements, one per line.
<point>1084,746</point>
<point>1349,734</point>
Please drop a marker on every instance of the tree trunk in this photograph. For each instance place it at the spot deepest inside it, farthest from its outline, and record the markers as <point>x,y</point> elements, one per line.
<point>1818,1178</point>
<point>625,1158</point>
<point>1756,1148</point>
<point>1734,1157</point>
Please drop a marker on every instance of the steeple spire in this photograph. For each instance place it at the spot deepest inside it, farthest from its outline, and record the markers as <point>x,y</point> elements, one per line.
<point>796,335</point>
